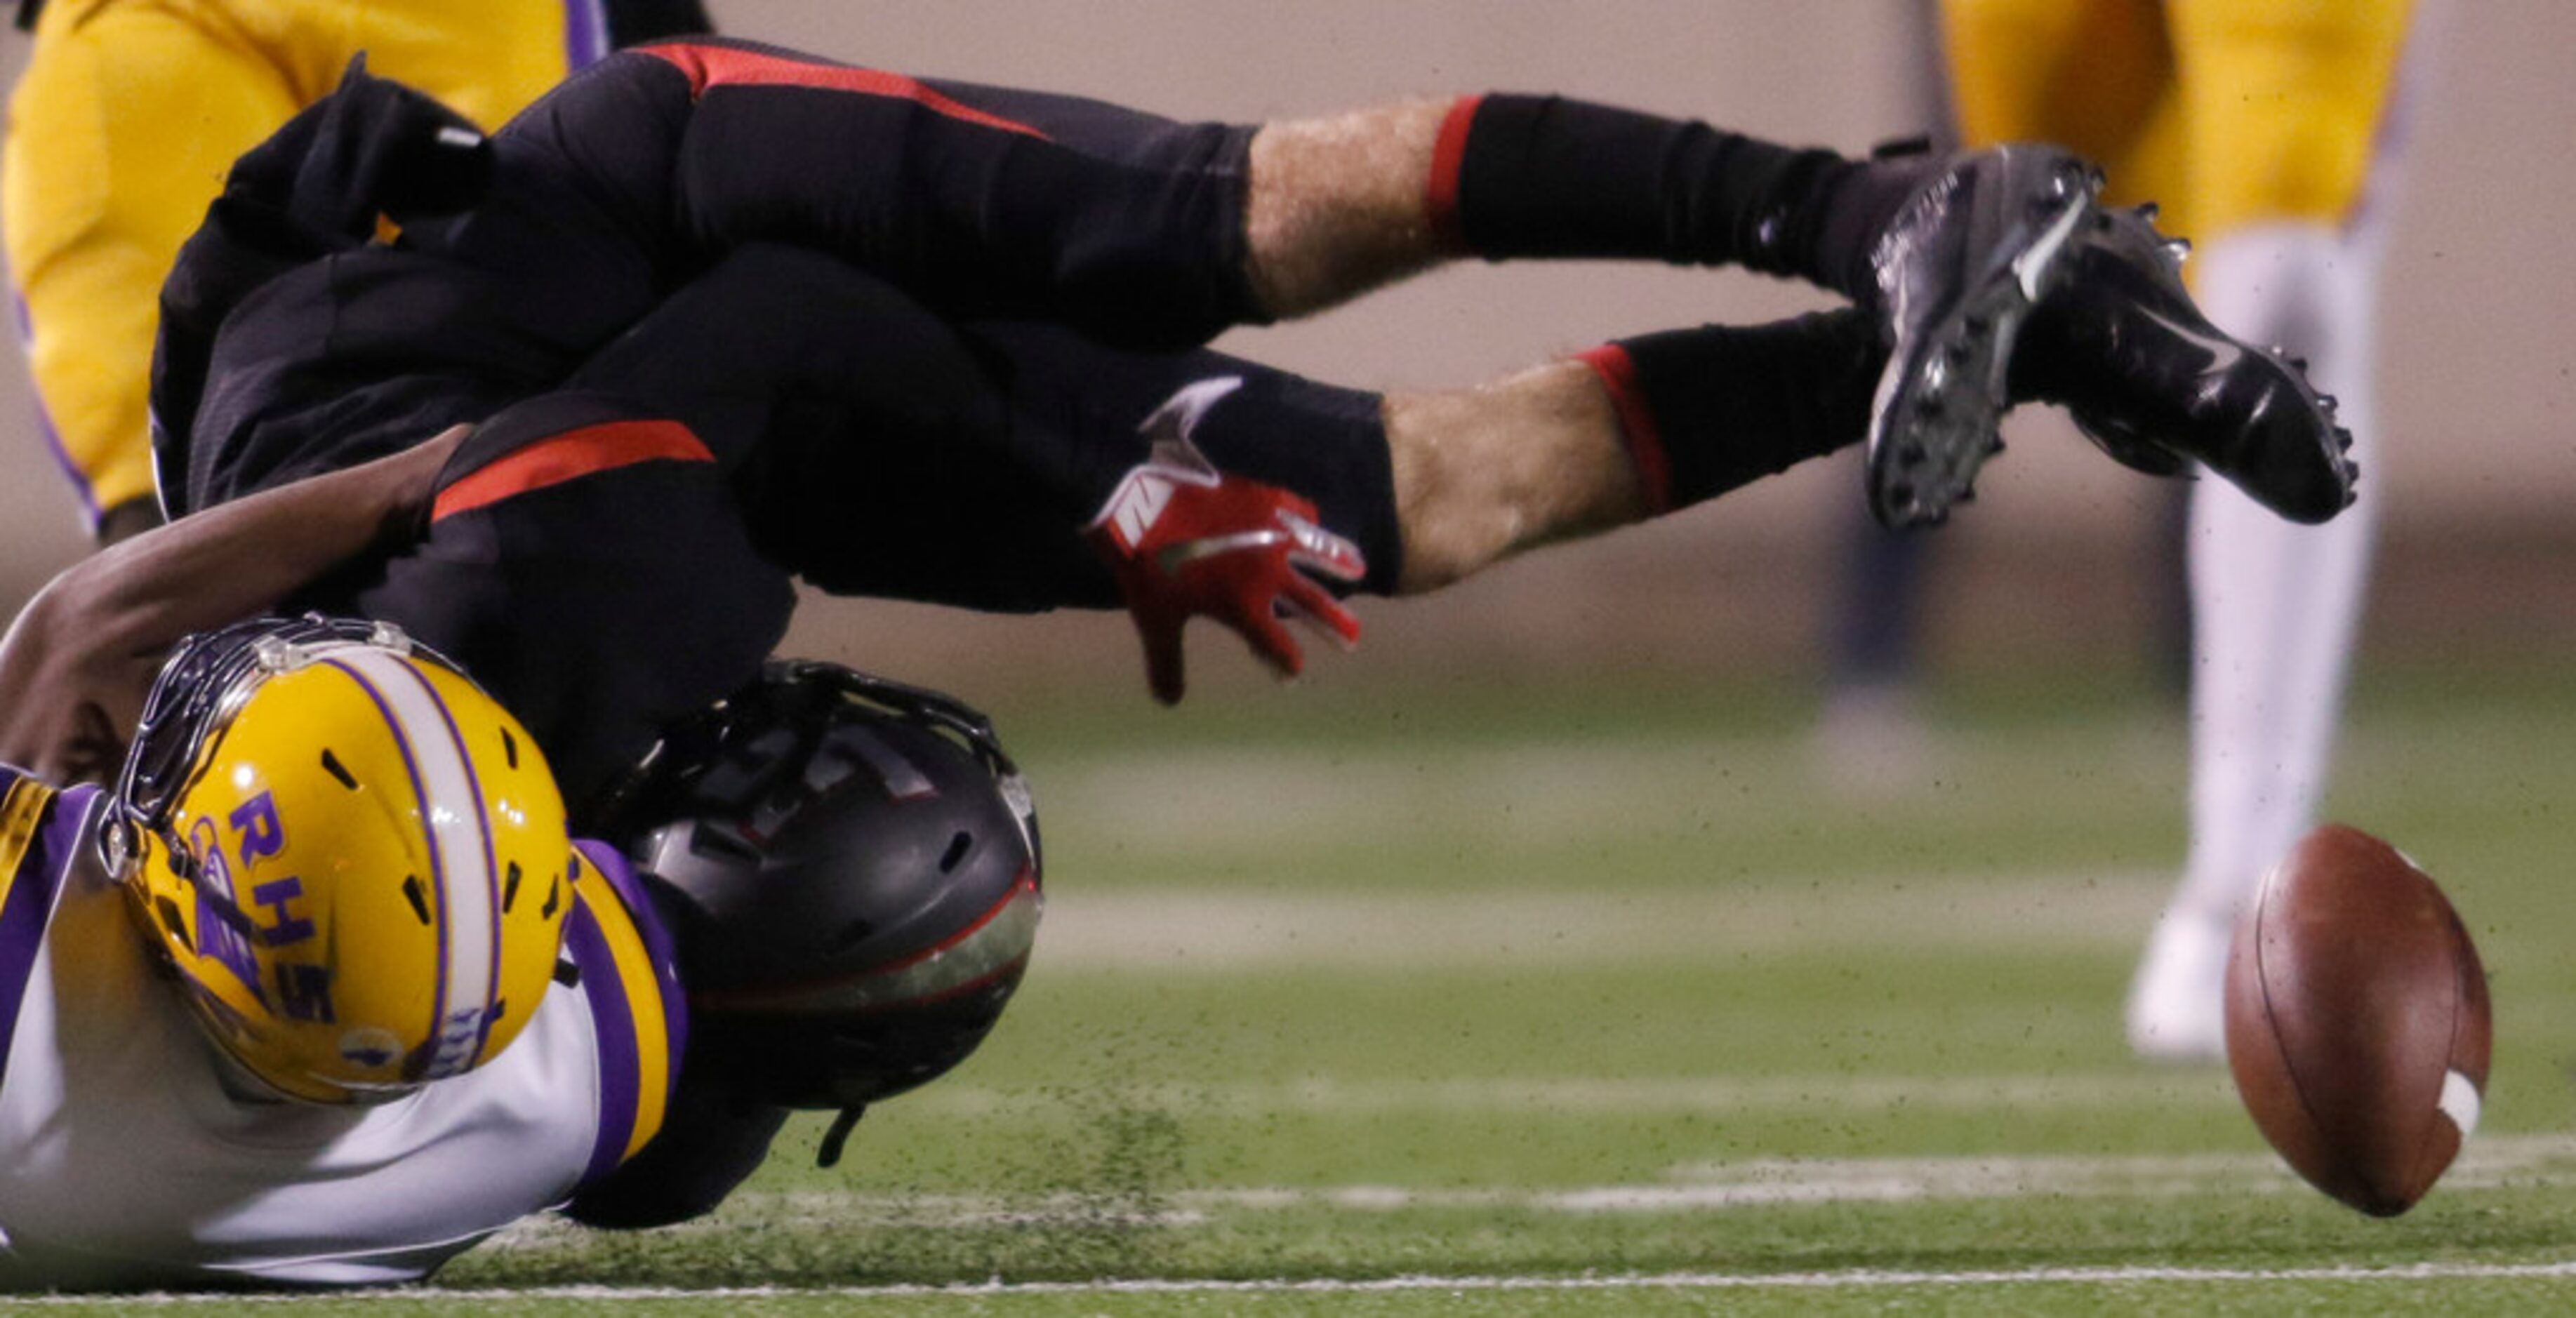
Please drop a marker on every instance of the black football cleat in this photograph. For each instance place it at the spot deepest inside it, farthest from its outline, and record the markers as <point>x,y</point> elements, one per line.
<point>1958,270</point>
<point>2152,382</point>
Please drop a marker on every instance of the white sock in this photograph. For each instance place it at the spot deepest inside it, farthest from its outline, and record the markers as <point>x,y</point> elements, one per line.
<point>2276,607</point>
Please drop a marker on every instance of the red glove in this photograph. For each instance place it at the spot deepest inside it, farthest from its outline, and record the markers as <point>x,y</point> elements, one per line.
<point>1185,539</point>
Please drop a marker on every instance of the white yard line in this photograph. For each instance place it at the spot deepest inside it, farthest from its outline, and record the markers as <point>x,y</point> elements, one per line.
<point>1856,1279</point>
<point>2519,1161</point>
<point>1182,800</point>
<point>1193,929</point>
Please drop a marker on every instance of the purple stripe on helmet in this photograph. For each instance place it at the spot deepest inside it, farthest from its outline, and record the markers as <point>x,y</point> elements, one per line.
<point>79,479</point>
<point>491,858</point>
<point>437,872</point>
<point>657,944</point>
<point>613,1022</point>
<point>30,904</point>
<point>491,850</point>
<point>585,33</point>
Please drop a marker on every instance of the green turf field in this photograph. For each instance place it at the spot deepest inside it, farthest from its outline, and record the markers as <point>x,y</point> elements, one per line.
<point>1377,999</point>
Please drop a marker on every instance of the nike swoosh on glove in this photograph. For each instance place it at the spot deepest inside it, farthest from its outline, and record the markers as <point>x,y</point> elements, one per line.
<point>1186,540</point>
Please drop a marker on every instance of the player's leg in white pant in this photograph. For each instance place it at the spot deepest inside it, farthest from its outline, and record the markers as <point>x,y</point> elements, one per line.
<point>2276,609</point>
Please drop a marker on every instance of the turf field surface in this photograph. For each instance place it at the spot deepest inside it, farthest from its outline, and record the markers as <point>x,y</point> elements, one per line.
<point>1501,1000</point>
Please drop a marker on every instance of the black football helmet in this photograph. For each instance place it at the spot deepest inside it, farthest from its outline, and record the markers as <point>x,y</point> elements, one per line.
<point>851,869</point>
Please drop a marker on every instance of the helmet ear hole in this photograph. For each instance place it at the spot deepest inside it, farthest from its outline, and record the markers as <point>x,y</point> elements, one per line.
<point>170,920</point>
<point>958,846</point>
<point>419,900</point>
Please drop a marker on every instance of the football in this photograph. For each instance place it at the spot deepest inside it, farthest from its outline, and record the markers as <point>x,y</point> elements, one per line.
<point>2357,1020</point>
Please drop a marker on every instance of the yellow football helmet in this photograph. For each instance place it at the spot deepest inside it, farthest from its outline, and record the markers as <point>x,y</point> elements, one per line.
<point>354,860</point>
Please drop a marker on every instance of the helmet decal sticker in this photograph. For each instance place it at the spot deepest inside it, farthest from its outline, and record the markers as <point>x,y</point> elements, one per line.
<point>284,928</point>
<point>370,1047</point>
<point>220,937</point>
<point>255,822</point>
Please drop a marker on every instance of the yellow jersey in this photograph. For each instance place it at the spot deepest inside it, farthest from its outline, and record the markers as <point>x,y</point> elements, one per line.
<point>122,128</point>
<point>2226,113</point>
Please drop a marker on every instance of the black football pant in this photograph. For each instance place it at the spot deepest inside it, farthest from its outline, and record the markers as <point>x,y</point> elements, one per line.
<point>852,439</point>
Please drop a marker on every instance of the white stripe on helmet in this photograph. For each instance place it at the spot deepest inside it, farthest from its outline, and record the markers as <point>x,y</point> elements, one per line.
<point>465,885</point>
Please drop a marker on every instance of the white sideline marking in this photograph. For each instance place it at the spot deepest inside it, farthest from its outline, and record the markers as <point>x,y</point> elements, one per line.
<point>1863,1278</point>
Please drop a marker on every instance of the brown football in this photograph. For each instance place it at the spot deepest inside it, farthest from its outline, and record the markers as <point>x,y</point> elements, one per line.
<point>2357,1020</point>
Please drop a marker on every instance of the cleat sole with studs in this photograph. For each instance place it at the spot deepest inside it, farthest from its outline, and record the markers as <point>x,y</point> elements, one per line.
<point>1932,425</point>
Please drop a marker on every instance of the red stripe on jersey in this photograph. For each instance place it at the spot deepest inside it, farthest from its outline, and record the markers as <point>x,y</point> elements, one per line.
<point>1448,154</point>
<point>570,456</point>
<point>730,66</point>
<point>1618,372</point>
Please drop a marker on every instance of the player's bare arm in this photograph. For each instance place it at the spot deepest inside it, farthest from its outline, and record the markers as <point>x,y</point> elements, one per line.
<point>75,665</point>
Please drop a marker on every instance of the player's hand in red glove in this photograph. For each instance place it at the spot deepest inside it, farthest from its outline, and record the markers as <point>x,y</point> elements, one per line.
<point>1185,539</point>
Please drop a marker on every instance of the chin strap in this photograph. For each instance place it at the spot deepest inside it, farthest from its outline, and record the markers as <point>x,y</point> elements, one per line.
<point>830,1154</point>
